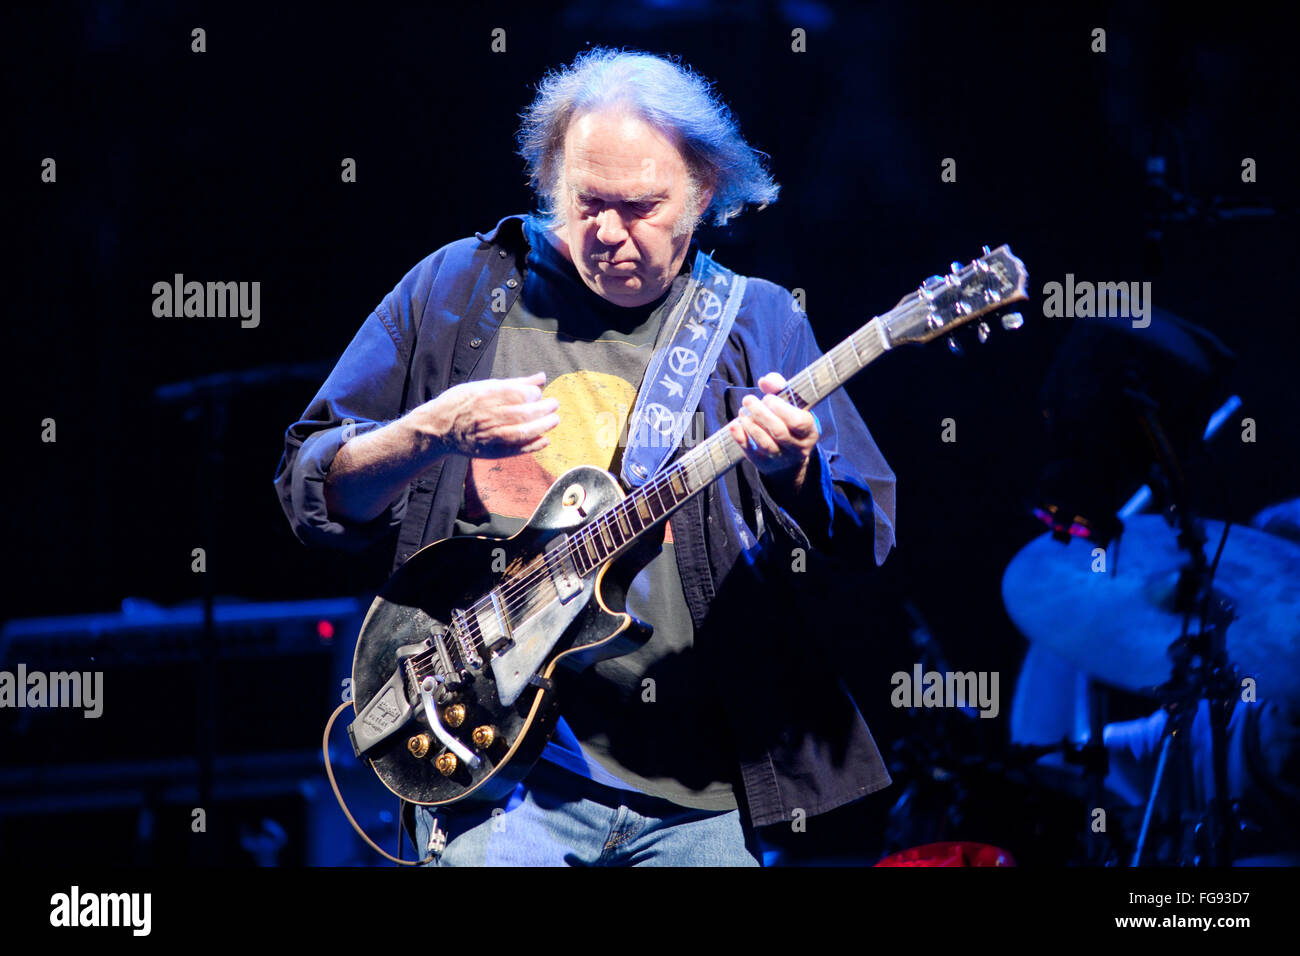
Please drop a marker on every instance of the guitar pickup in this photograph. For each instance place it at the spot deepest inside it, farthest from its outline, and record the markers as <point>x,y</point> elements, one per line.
<point>493,626</point>
<point>565,577</point>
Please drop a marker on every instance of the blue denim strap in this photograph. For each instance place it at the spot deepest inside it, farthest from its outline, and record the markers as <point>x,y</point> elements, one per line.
<point>696,332</point>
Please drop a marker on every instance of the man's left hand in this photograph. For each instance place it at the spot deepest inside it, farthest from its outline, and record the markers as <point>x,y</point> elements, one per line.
<point>777,437</point>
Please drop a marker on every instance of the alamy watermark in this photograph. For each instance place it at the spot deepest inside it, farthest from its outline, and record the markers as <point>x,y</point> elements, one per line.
<point>77,689</point>
<point>658,426</point>
<point>75,908</point>
<point>962,689</point>
<point>1102,300</point>
<point>208,300</point>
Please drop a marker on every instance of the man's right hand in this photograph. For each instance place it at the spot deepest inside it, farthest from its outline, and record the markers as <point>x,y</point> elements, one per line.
<point>493,418</point>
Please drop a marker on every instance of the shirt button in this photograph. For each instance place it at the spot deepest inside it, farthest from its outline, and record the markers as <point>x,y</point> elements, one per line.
<point>511,283</point>
<point>475,342</point>
<point>501,253</point>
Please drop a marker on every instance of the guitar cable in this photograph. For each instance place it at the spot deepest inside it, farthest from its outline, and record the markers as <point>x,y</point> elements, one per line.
<point>329,772</point>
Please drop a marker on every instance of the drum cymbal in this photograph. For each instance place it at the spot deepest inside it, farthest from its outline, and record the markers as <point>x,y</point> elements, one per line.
<point>1118,626</point>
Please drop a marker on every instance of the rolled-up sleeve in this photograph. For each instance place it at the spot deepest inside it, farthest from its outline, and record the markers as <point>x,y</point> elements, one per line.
<point>362,393</point>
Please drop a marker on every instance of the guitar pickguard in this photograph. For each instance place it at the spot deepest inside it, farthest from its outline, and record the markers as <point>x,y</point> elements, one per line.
<point>534,640</point>
<point>571,502</point>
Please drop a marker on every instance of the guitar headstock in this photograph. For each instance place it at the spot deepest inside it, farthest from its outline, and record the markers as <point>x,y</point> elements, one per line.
<point>943,303</point>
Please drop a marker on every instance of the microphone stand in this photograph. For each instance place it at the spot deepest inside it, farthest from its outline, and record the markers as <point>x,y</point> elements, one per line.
<point>1200,666</point>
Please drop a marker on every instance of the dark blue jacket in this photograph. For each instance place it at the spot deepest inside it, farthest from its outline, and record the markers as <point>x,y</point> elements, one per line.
<point>752,567</point>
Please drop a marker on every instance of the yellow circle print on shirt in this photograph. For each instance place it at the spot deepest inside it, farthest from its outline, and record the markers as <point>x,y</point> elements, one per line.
<point>593,411</point>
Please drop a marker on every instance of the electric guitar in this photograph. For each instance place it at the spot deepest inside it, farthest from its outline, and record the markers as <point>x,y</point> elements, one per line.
<point>454,670</point>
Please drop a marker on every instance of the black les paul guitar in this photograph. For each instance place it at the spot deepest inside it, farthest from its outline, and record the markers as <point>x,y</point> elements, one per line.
<point>452,677</point>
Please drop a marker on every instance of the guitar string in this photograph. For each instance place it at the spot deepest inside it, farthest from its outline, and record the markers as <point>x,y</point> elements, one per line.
<point>521,591</point>
<point>607,520</point>
<point>518,593</point>
<point>851,348</point>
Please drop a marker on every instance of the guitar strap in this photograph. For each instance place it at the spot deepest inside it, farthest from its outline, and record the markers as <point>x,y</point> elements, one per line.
<point>688,348</point>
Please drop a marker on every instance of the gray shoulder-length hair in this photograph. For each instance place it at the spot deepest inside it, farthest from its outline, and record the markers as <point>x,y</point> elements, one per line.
<point>668,96</point>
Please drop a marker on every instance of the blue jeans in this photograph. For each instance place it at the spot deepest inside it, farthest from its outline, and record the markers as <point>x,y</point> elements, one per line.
<point>557,818</point>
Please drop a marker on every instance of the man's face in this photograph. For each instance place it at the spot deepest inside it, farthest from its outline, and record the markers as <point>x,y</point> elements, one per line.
<point>624,191</point>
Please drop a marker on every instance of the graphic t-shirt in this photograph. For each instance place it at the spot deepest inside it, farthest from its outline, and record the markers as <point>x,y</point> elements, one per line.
<point>642,721</point>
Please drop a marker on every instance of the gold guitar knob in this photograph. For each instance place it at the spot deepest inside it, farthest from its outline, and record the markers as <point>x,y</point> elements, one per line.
<point>484,736</point>
<point>446,763</point>
<point>454,715</point>
<point>418,745</point>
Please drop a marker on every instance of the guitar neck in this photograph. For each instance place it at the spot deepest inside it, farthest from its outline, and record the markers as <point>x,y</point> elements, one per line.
<point>616,530</point>
<point>941,304</point>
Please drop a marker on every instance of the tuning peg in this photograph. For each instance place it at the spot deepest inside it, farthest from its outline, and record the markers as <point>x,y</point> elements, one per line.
<point>986,250</point>
<point>955,267</point>
<point>1012,321</point>
<point>953,345</point>
<point>983,330</point>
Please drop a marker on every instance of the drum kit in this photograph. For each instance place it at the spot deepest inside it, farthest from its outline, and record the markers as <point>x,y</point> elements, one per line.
<point>1199,618</point>
<point>1204,634</point>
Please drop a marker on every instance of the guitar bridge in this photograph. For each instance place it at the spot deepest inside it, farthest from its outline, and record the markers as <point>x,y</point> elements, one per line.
<point>447,670</point>
<point>460,632</point>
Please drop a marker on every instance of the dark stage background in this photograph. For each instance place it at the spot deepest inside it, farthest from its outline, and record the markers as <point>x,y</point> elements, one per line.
<point>225,165</point>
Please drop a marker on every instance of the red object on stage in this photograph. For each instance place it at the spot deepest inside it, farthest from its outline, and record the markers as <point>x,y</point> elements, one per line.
<point>950,854</point>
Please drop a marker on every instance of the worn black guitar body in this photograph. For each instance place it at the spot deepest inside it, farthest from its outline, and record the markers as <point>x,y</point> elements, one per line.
<point>422,600</point>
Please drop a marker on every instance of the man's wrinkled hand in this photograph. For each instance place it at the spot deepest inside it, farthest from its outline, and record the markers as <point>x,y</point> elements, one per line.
<point>493,418</point>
